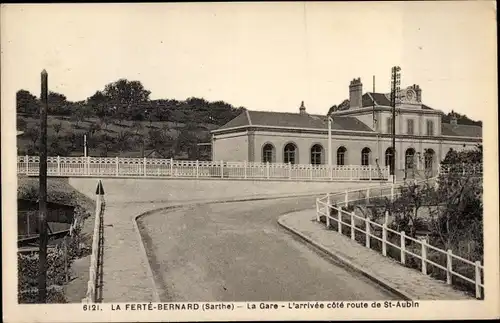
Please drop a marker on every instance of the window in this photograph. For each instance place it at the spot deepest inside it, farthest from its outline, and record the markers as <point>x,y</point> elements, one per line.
<point>290,152</point>
<point>365,156</point>
<point>410,158</point>
<point>341,152</point>
<point>316,154</point>
<point>429,159</point>
<point>268,153</point>
<point>389,125</point>
<point>430,128</point>
<point>409,126</point>
<point>389,157</point>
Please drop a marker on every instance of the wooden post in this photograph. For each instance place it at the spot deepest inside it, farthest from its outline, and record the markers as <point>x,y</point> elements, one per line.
<point>221,169</point>
<point>386,219</point>
<point>478,279</point>
<point>424,256</point>
<point>346,198</point>
<point>384,240</point>
<point>368,234</point>
<point>403,247</point>
<point>117,166</point>
<point>317,210</point>
<point>42,269</point>
<point>449,267</point>
<point>353,232</point>
<point>327,209</point>
<point>339,219</point>
<point>197,168</point>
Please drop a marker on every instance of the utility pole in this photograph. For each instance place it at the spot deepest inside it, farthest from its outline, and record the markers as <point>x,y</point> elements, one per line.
<point>395,89</point>
<point>42,207</point>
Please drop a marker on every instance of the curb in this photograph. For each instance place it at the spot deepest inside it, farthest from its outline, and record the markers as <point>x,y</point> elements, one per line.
<point>384,283</point>
<point>180,204</point>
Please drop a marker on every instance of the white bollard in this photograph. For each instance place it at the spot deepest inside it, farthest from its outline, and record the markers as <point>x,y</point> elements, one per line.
<point>403,247</point>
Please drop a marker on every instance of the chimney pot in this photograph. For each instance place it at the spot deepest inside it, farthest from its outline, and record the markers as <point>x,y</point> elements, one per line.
<point>355,93</point>
<point>302,108</point>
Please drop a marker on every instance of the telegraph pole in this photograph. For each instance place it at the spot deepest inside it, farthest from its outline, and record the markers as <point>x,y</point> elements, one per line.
<point>395,88</point>
<point>42,207</point>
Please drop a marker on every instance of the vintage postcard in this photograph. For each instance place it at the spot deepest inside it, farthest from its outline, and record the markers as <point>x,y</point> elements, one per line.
<point>249,161</point>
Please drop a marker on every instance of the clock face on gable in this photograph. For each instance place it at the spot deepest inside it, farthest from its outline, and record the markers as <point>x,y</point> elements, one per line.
<point>410,95</point>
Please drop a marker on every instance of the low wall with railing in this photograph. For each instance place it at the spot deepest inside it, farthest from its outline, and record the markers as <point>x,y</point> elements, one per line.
<point>365,231</point>
<point>95,263</point>
<point>149,167</point>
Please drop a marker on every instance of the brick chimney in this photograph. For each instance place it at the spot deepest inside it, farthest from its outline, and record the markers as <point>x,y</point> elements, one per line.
<point>355,93</point>
<point>302,109</point>
<point>418,91</point>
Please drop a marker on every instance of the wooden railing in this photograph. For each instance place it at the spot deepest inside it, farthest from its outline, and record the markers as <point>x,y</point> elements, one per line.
<point>337,204</point>
<point>95,263</point>
<point>147,167</point>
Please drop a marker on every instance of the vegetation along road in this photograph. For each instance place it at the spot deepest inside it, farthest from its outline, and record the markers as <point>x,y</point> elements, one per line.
<point>238,252</point>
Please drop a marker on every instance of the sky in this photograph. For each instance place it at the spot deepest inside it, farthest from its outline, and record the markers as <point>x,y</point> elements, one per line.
<point>263,56</point>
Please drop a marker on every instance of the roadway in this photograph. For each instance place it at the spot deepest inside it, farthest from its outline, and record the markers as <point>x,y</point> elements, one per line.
<point>237,252</point>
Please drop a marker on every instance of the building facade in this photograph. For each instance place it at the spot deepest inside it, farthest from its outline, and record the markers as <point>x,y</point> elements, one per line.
<point>361,134</point>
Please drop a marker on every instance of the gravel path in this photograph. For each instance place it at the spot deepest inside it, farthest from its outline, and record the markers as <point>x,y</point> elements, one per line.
<point>238,252</point>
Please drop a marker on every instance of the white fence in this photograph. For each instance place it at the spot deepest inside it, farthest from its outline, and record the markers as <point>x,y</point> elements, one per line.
<point>365,230</point>
<point>147,167</point>
<point>462,169</point>
<point>90,296</point>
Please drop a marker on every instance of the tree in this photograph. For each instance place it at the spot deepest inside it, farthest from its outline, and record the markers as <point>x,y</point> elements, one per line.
<point>127,97</point>
<point>104,121</point>
<point>57,127</point>
<point>27,103</point>
<point>122,140</point>
<point>78,116</point>
<point>58,104</point>
<point>33,134</point>
<point>137,127</point>
<point>332,109</point>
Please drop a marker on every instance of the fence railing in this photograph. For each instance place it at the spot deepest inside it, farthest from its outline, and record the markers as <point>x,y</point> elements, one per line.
<point>462,169</point>
<point>333,207</point>
<point>149,167</point>
<point>95,262</point>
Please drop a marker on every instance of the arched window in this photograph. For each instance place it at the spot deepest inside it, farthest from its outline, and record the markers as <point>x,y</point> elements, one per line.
<point>429,159</point>
<point>410,158</point>
<point>290,153</point>
<point>341,153</point>
<point>316,154</point>
<point>365,156</point>
<point>389,157</point>
<point>268,153</point>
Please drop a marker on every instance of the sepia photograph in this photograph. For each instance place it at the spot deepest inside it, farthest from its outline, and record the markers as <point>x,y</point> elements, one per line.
<point>249,161</point>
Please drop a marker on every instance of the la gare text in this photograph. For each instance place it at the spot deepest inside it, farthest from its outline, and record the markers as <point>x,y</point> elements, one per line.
<point>262,306</point>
